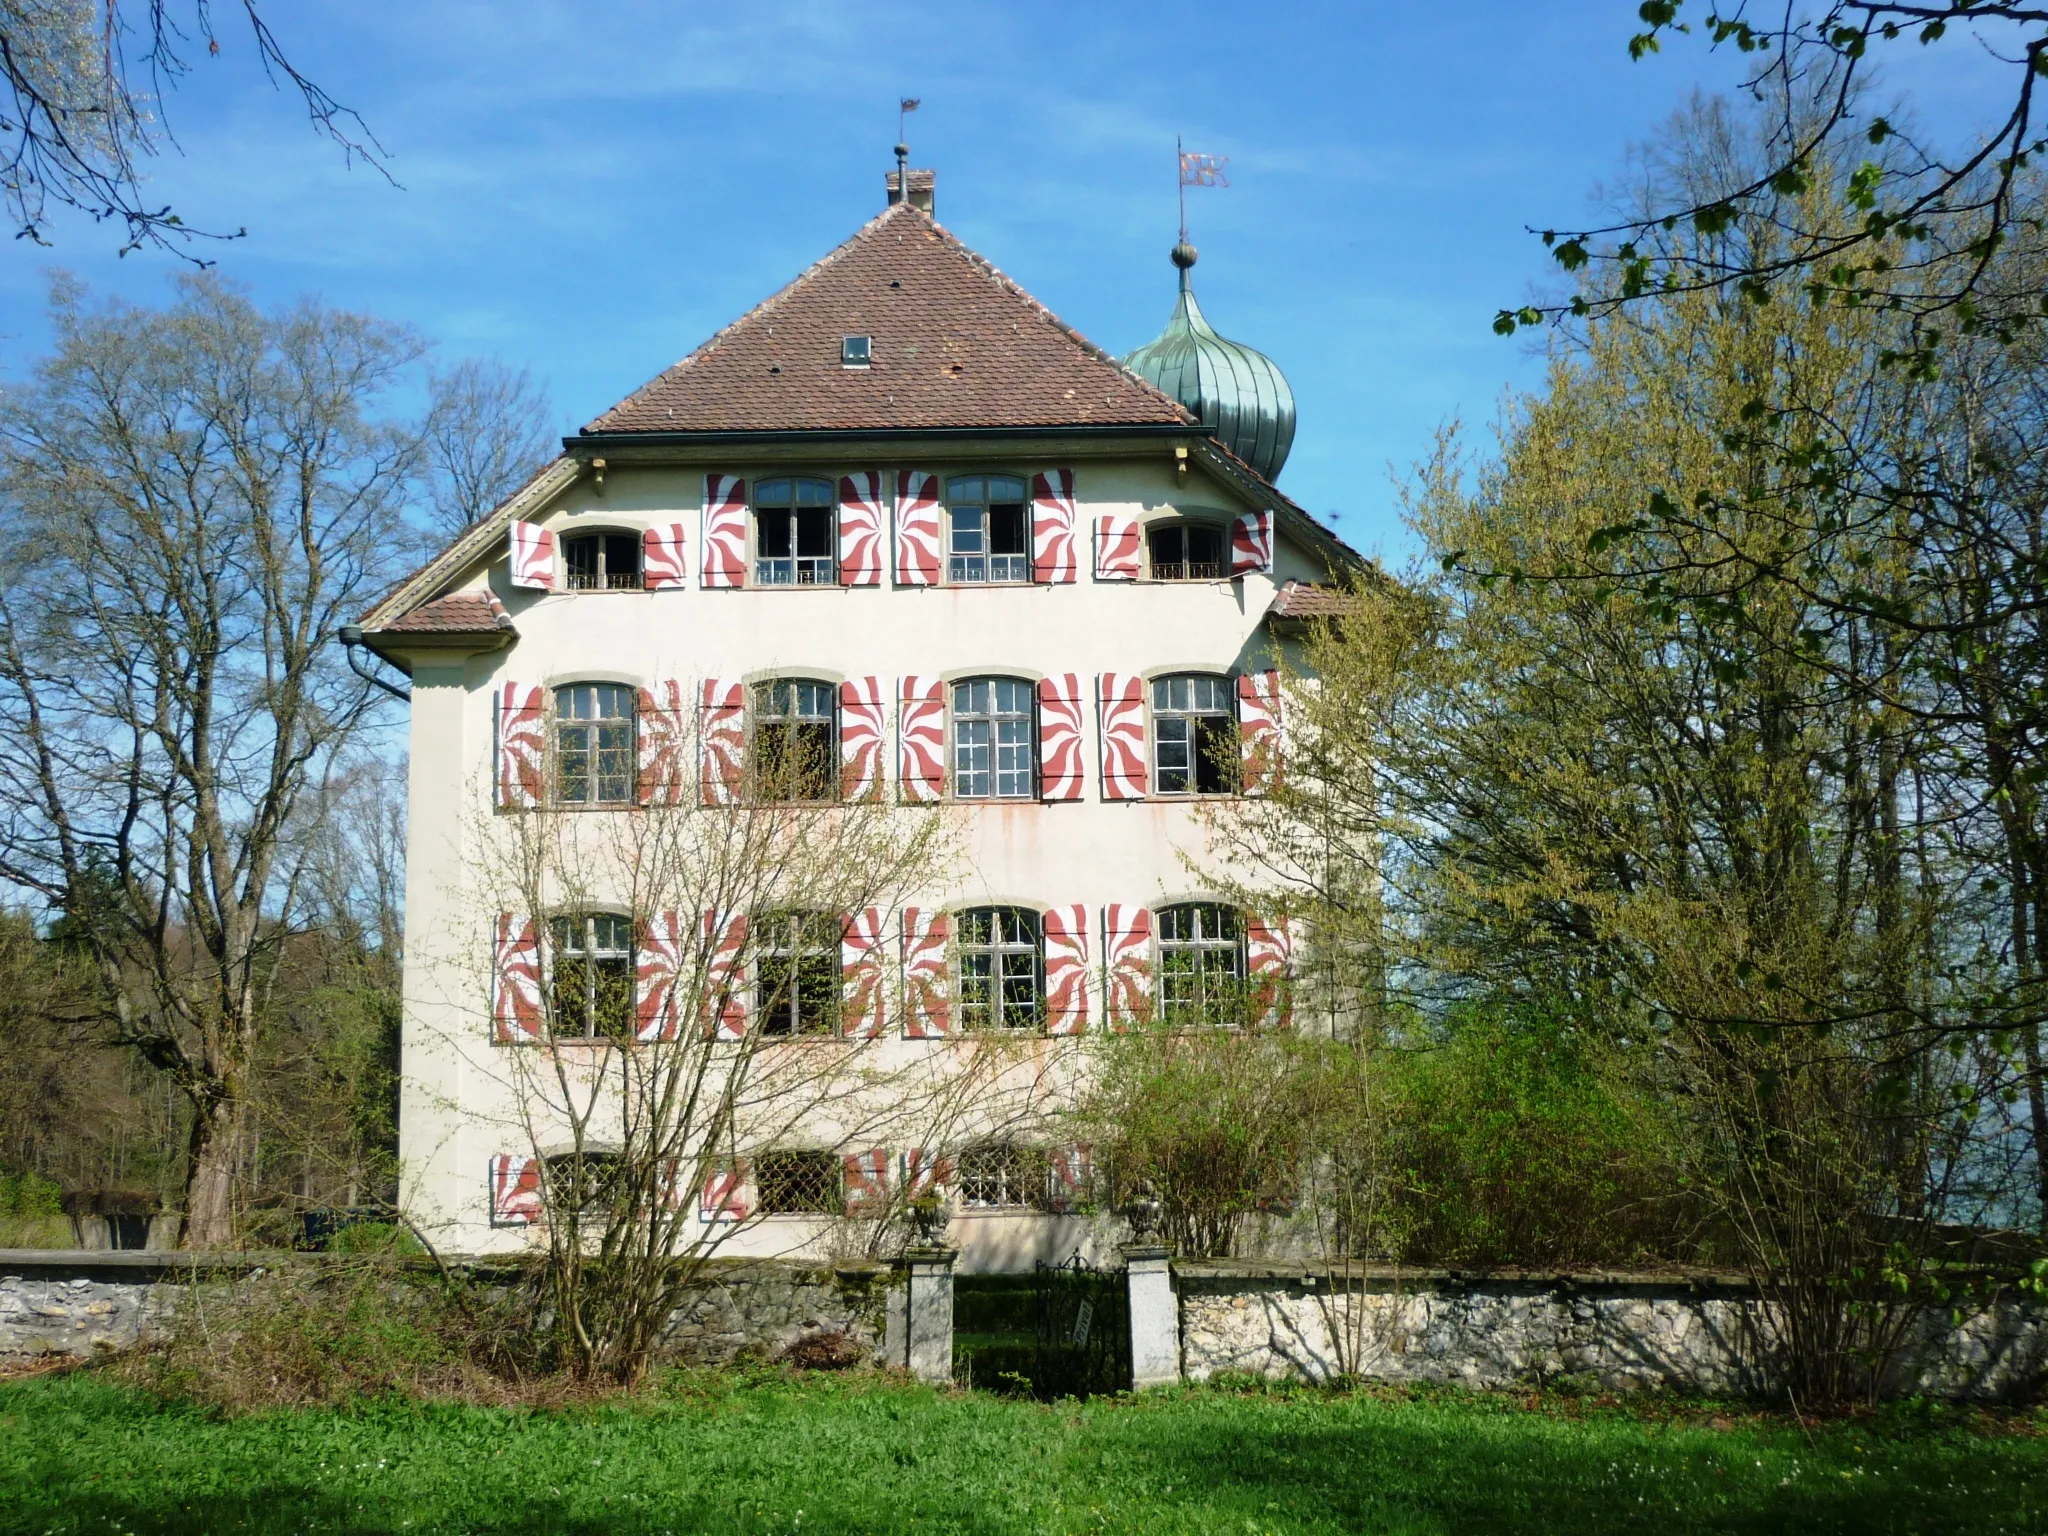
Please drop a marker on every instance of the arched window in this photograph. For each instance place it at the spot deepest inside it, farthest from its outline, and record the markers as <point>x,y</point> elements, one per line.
<point>1200,978</point>
<point>602,562</point>
<point>999,1174</point>
<point>594,744</point>
<point>1194,736</point>
<point>794,754</point>
<point>988,529</point>
<point>793,533</point>
<point>590,980</point>
<point>796,968</point>
<point>1187,552</point>
<point>999,968</point>
<point>994,747</point>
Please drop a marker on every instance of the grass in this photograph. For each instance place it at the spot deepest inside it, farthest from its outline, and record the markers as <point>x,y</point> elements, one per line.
<point>771,1453</point>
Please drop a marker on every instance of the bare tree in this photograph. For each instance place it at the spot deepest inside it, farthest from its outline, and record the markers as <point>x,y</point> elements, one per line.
<point>197,498</point>
<point>488,431</point>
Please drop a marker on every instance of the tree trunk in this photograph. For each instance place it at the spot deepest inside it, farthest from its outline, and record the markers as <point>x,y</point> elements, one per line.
<point>209,1192</point>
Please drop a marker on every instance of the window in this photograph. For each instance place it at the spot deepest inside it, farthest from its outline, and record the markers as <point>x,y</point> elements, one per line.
<point>594,744</point>
<point>855,352</point>
<point>591,975</point>
<point>799,1183</point>
<point>999,1174</point>
<point>1194,736</point>
<point>796,961</point>
<point>994,756</point>
<point>588,1185</point>
<point>989,533</point>
<point>793,533</point>
<point>1201,964</point>
<point>603,562</point>
<point>793,748</point>
<point>1187,552</point>
<point>997,952</point>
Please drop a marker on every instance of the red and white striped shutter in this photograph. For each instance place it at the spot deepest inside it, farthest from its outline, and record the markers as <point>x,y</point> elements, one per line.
<point>533,557</point>
<point>517,1011</point>
<point>724,562</point>
<point>515,1190</point>
<point>1269,967</point>
<point>1052,526</point>
<point>664,558</point>
<point>1059,737</point>
<point>921,738</point>
<point>866,1181</point>
<point>522,746</point>
<point>1127,963</point>
<point>721,741</point>
<point>860,975</point>
<point>862,720</point>
<point>917,528</point>
<point>925,1172</point>
<point>1251,543</point>
<point>860,529</point>
<point>661,733</point>
<point>728,1192</point>
<point>1073,1175</point>
<point>1066,970</point>
<point>1119,554</point>
<point>1122,700</point>
<point>658,960</point>
<point>1258,728</point>
<point>925,1012</point>
<point>725,1002</point>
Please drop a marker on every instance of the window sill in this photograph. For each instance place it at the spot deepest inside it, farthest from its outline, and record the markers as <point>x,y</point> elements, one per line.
<point>834,585</point>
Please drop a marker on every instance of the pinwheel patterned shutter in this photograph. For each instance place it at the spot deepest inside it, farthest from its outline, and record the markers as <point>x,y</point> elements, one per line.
<point>1119,552</point>
<point>533,557</point>
<point>1052,526</point>
<point>921,738</point>
<point>860,529</point>
<point>517,1012</point>
<point>1258,725</point>
<point>724,562</point>
<point>658,962</point>
<point>725,999</point>
<point>728,1192</point>
<point>862,718</point>
<point>522,746</point>
<point>1127,963</point>
<point>1059,737</point>
<point>925,1172</point>
<point>1072,1177</point>
<point>515,1190</point>
<point>917,528</point>
<point>866,1181</point>
<point>1251,543</point>
<point>1122,702</point>
<point>664,562</point>
<point>860,975</point>
<point>1066,970</point>
<point>721,741</point>
<point>1269,963</point>
<point>661,728</point>
<point>925,1013</point>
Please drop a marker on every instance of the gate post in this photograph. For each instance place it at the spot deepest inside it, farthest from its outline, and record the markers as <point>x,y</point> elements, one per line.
<point>928,1309</point>
<point>1155,1316</point>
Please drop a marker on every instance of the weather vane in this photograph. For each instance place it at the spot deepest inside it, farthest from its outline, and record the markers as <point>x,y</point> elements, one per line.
<point>1197,171</point>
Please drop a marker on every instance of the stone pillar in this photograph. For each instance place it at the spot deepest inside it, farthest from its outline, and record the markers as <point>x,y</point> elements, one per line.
<point>1155,1316</point>
<point>928,1313</point>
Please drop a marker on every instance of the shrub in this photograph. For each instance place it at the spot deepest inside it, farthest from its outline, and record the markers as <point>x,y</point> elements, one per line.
<point>825,1350</point>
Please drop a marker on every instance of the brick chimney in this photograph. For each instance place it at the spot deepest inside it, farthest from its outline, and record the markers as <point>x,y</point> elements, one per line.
<point>921,186</point>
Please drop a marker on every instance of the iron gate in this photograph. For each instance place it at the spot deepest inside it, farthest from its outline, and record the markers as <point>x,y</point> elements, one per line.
<point>1084,1330</point>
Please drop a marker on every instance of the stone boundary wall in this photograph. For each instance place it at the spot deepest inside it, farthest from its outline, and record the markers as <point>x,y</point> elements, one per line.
<point>82,1302</point>
<point>1687,1332</point>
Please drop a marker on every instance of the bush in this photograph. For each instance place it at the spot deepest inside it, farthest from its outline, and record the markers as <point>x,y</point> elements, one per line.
<point>825,1350</point>
<point>29,1194</point>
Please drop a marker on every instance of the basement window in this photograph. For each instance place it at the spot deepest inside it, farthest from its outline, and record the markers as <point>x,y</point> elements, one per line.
<point>855,352</point>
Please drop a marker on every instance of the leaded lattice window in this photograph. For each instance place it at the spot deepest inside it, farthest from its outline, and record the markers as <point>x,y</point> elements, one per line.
<point>799,1183</point>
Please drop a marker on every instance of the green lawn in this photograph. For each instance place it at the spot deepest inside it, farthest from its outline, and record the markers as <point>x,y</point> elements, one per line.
<point>852,1454</point>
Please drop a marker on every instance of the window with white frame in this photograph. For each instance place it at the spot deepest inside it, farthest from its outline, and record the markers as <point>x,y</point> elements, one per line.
<point>1194,735</point>
<point>1187,552</point>
<point>988,529</point>
<point>999,968</point>
<point>590,975</point>
<point>994,746</point>
<point>594,763</point>
<point>794,753</point>
<point>1200,972</point>
<point>796,969</point>
<point>794,533</point>
<point>602,562</point>
<point>1000,1175</point>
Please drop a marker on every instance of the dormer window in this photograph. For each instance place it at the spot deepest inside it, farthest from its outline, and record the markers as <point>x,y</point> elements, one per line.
<point>1187,552</point>
<point>855,351</point>
<point>603,562</point>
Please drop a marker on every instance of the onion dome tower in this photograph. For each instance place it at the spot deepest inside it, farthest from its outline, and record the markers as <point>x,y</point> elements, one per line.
<point>1240,394</point>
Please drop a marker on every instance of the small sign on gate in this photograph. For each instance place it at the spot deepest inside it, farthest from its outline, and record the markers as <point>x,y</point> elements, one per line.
<point>1084,1318</point>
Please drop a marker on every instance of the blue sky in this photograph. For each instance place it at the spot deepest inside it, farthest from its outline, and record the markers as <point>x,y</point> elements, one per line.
<point>591,189</point>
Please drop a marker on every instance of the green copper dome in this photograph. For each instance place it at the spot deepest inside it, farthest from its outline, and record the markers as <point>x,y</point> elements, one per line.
<point>1240,394</point>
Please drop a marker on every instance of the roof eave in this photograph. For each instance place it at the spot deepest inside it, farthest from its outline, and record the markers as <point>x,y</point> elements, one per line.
<point>582,444</point>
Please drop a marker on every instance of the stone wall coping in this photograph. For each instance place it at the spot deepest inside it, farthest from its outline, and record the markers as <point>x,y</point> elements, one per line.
<point>1211,1274</point>
<point>141,1264</point>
